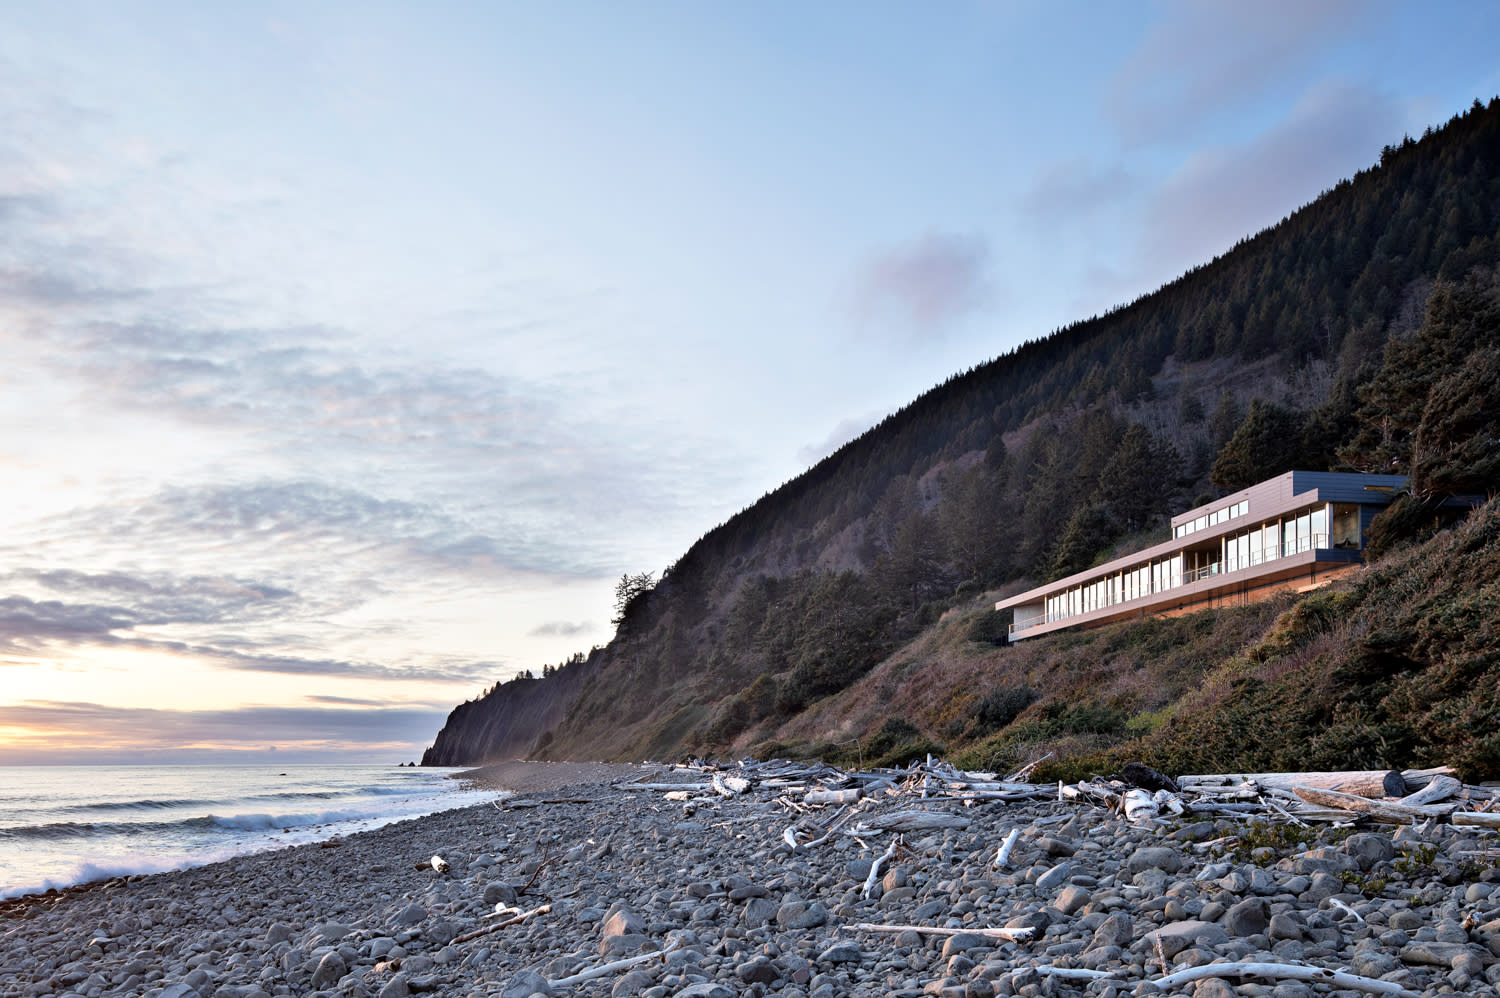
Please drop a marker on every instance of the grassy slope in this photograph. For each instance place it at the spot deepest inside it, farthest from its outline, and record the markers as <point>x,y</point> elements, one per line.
<point>1398,665</point>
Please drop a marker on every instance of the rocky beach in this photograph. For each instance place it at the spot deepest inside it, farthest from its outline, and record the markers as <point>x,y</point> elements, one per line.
<point>712,896</point>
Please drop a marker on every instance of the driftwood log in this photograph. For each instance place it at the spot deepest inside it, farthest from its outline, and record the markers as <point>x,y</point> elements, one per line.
<point>1401,814</point>
<point>1360,783</point>
<point>1439,789</point>
<point>915,821</point>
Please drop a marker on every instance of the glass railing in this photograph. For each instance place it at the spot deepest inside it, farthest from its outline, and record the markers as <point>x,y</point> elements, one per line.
<point>1271,552</point>
<point>1288,547</point>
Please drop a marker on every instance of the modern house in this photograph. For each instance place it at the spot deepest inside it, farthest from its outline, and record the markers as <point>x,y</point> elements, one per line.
<point>1297,530</point>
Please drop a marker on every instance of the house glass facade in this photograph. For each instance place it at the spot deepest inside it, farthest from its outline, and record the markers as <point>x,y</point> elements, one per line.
<point>1318,527</point>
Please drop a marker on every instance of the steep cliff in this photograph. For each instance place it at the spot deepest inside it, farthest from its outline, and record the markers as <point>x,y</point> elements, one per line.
<point>508,721</point>
<point>1022,468</point>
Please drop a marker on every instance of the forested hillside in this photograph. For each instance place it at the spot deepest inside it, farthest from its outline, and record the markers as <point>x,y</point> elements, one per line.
<point>1360,332</point>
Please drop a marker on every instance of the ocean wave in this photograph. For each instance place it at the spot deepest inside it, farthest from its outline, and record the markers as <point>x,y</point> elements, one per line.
<point>256,822</point>
<point>132,805</point>
<point>126,866</point>
<point>98,829</point>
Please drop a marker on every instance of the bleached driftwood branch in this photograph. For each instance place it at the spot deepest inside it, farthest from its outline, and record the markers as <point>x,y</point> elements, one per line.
<point>1008,935</point>
<point>1003,856</point>
<point>606,969</point>
<point>1286,972</point>
<point>880,861</point>
<point>515,920</point>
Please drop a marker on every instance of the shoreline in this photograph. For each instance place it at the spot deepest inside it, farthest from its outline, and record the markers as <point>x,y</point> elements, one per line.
<point>524,776</point>
<point>708,891</point>
<point>73,835</point>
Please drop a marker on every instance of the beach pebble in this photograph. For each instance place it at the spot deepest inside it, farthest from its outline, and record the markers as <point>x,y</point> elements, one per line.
<point>740,915</point>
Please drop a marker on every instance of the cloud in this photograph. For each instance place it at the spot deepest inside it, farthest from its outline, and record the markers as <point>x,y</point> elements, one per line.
<point>841,434</point>
<point>1225,193</point>
<point>69,727</point>
<point>24,623</point>
<point>31,628</point>
<point>162,598</point>
<point>563,629</point>
<point>1202,58</point>
<point>1076,189</point>
<point>919,289</point>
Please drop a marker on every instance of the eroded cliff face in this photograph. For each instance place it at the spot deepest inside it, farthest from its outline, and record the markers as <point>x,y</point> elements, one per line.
<point>511,721</point>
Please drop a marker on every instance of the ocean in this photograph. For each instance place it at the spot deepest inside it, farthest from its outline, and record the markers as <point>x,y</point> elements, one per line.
<point>64,825</point>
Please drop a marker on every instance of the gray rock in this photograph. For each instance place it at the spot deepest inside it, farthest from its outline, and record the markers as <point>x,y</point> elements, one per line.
<point>623,945</point>
<point>1369,849</point>
<point>757,971</point>
<point>395,988</point>
<point>801,915</point>
<point>410,915</point>
<point>525,984</point>
<point>758,912</point>
<point>1373,963</point>
<point>499,894</point>
<point>1214,987</point>
<point>1178,936</point>
<point>621,921</point>
<point>1285,925</point>
<point>1161,858</point>
<point>632,983</point>
<point>442,932</point>
<point>1116,930</point>
<point>842,952</point>
<point>706,989</point>
<point>1070,899</point>
<point>1292,989</point>
<point>929,910</point>
<point>329,970</point>
<point>329,932</point>
<point>1054,877</point>
<point>1438,954</point>
<point>178,990</point>
<point>1056,846</point>
<point>1250,917</point>
<point>278,932</point>
<point>962,942</point>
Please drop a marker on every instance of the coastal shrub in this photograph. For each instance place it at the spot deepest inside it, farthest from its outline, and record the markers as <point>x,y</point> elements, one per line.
<point>1003,705</point>
<point>991,628</point>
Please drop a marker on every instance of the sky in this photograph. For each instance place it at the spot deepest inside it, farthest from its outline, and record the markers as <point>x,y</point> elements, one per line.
<point>350,352</point>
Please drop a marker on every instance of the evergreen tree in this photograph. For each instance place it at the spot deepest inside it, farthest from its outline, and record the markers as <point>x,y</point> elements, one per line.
<point>1267,443</point>
<point>1090,529</point>
<point>1140,479</point>
<point>1225,420</point>
<point>1429,412</point>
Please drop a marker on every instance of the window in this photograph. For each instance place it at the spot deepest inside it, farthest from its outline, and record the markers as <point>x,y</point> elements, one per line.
<point>1346,526</point>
